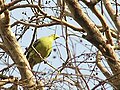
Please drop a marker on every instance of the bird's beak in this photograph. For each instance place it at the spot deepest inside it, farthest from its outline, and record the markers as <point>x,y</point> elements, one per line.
<point>56,36</point>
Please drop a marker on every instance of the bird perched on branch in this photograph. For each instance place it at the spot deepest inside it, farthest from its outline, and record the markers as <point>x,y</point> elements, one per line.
<point>40,49</point>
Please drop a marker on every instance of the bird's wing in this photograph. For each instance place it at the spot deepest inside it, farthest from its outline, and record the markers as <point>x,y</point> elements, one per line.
<point>34,45</point>
<point>49,54</point>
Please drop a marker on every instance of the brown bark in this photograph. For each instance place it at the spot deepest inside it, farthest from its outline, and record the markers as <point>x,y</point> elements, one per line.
<point>97,39</point>
<point>14,50</point>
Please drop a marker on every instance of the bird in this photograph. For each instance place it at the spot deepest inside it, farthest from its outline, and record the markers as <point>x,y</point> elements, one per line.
<point>43,46</point>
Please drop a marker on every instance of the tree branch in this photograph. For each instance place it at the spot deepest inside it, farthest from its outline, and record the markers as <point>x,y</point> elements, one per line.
<point>100,66</point>
<point>6,6</point>
<point>96,38</point>
<point>114,15</point>
<point>15,50</point>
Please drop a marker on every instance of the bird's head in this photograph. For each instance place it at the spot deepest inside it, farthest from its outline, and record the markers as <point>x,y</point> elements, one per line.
<point>54,36</point>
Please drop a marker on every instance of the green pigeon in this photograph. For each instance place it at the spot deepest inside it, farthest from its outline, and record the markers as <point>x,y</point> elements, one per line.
<point>43,46</point>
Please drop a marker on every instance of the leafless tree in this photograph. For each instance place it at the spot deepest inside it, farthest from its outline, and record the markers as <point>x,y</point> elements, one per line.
<point>85,57</point>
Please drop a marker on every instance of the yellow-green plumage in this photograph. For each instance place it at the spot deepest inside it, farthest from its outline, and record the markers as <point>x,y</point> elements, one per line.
<point>43,47</point>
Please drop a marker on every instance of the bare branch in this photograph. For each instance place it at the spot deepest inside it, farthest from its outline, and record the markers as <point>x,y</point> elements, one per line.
<point>56,20</point>
<point>15,50</point>
<point>7,6</point>
<point>100,66</point>
<point>114,15</point>
<point>8,80</point>
<point>95,37</point>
